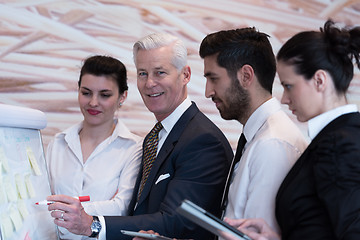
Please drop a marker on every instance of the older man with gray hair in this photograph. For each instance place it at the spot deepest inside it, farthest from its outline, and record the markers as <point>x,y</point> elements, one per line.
<point>185,156</point>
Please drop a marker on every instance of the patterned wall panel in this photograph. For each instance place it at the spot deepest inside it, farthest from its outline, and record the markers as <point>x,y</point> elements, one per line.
<point>43,42</point>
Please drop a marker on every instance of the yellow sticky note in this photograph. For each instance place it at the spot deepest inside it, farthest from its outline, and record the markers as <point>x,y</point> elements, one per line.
<point>22,209</point>
<point>20,185</point>
<point>16,218</point>
<point>29,186</point>
<point>4,161</point>
<point>9,189</point>
<point>33,161</point>
<point>6,226</point>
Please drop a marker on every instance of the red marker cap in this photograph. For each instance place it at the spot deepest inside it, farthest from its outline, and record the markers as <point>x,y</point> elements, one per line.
<point>84,198</point>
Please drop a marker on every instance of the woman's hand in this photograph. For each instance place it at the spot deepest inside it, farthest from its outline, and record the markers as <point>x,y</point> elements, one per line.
<point>256,229</point>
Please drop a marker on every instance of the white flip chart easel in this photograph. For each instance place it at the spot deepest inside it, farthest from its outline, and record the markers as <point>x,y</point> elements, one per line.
<point>23,176</point>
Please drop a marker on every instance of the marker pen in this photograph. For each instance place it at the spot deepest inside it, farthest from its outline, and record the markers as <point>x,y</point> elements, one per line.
<point>81,199</point>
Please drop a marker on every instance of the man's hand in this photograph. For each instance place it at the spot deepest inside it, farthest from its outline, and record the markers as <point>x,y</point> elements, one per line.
<point>69,213</point>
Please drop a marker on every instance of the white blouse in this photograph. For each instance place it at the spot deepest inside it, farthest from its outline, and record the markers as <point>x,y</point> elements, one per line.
<point>108,176</point>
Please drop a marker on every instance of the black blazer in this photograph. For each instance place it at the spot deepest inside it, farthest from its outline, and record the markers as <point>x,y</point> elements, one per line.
<point>320,197</point>
<point>197,156</point>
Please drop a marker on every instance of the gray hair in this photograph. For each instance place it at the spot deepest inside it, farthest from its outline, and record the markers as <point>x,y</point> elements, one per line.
<point>158,40</point>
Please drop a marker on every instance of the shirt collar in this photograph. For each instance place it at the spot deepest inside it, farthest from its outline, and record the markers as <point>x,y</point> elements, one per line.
<point>316,124</point>
<point>259,116</point>
<point>169,122</point>
<point>122,131</point>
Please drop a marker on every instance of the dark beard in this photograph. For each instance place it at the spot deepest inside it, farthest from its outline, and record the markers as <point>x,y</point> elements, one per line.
<point>237,103</point>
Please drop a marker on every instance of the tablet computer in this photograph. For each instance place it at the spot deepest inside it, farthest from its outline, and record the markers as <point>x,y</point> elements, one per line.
<point>144,235</point>
<point>208,221</point>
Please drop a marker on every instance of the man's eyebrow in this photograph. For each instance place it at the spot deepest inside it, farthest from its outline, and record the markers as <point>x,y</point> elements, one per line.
<point>208,74</point>
<point>85,88</point>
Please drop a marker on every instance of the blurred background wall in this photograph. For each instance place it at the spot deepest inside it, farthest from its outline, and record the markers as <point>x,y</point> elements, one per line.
<point>43,43</point>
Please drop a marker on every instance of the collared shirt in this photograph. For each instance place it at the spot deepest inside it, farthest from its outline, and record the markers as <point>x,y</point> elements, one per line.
<point>316,124</point>
<point>273,145</point>
<point>119,156</point>
<point>168,123</point>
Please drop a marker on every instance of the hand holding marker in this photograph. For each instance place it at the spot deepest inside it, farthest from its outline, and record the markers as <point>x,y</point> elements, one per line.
<point>81,199</point>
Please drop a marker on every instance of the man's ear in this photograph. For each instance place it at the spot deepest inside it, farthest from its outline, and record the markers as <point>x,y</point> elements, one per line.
<point>186,74</point>
<point>321,79</point>
<point>245,75</point>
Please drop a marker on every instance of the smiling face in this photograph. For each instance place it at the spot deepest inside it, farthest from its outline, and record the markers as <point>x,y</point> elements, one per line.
<point>230,98</point>
<point>98,97</point>
<point>161,86</point>
<point>299,94</point>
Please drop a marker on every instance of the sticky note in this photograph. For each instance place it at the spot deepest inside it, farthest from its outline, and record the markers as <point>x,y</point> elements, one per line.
<point>20,185</point>
<point>16,218</point>
<point>4,161</point>
<point>9,190</point>
<point>6,226</point>
<point>33,161</point>
<point>3,198</point>
<point>29,186</point>
<point>22,209</point>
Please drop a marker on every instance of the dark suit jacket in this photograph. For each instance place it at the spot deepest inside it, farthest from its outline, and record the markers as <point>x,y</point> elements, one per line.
<point>320,197</point>
<point>197,156</point>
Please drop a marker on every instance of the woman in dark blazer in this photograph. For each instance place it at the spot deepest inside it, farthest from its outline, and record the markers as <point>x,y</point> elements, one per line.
<point>320,196</point>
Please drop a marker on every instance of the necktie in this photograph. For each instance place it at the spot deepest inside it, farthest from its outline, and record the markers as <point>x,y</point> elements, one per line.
<point>239,149</point>
<point>238,154</point>
<point>150,149</point>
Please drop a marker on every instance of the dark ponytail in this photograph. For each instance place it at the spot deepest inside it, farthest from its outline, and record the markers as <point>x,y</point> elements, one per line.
<point>332,49</point>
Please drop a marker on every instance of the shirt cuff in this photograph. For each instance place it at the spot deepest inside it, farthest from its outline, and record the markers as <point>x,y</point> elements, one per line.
<point>102,234</point>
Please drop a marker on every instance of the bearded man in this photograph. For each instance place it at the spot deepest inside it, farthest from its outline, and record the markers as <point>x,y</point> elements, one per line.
<point>240,67</point>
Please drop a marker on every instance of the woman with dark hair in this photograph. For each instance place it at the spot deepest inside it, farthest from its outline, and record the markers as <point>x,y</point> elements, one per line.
<point>320,196</point>
<point>99,156</point>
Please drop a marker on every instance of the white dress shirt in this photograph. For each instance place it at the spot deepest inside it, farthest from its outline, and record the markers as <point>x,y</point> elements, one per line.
<point>169,122</point>
<point>273,145</point>
<point>108,176</point>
